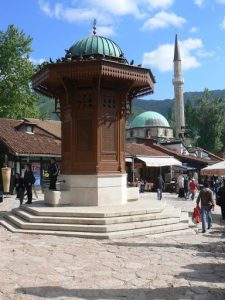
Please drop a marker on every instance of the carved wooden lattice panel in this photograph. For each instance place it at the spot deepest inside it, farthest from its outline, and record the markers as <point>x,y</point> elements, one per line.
<point>84,135</point>
<point>108,136</point>
<point>108,101</point>
<point>84,101</point>
<point>109,105</point>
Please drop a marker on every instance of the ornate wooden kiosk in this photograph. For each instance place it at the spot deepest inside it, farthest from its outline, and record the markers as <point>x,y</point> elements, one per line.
<point>93,86</point>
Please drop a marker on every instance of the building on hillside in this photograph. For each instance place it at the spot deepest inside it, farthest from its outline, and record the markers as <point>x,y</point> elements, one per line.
<point>149,125</point>
<point>29,140</point>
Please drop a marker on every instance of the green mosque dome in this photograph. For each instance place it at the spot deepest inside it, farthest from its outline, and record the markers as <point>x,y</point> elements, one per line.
<point>94,45</point>
<point>148,119</point>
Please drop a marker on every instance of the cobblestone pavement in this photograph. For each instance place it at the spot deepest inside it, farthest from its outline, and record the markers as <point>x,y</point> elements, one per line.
<point>181,266</point>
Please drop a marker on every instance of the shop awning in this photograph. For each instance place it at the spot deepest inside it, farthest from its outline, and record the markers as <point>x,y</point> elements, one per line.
<point>128,159</point>
<point>160,161</point>
<point>217,169</point>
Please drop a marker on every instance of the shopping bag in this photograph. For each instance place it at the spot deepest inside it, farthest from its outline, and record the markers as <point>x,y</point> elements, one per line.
<point>196,215</point>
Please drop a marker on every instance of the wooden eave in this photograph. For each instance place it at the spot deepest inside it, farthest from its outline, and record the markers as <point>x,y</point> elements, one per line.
<point>51,74</point>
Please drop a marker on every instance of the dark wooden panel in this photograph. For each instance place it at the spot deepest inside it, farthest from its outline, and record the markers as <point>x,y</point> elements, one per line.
<point>108,136</point>
<point>84,135</point>
<point>66,131</point>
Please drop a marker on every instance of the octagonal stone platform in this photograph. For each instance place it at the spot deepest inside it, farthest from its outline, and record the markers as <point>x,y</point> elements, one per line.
<point>133,219</point>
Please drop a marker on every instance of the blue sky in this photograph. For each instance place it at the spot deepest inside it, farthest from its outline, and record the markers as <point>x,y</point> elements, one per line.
<point>144,29</point>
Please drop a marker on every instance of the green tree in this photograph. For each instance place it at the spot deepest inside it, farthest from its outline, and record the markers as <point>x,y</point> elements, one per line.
<point>17,100</point>
<point>205,119</point>
<point>171,116</point>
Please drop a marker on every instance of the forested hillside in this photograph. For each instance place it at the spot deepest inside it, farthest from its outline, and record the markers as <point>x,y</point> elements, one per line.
<point>47,106</point>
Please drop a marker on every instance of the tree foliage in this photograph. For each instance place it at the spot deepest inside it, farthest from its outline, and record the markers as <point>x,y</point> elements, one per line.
<point>16,97</point>
<point>205,119</point>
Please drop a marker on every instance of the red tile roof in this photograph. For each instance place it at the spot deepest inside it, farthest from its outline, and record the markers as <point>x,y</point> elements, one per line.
<point>40,143</point>
<point>141,149</point>
<point>51,126</point>
<point>179,156</point>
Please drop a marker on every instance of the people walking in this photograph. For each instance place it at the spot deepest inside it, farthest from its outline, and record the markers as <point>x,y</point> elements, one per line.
<point>205,197</point>
<point>53,172</point>
<point>186,187</point>
<point>160,187</point>
<point>193,189</point>
<point>180,182</point>
<point>20,187</point>
<point>221,196</point>
<point>29,180</point>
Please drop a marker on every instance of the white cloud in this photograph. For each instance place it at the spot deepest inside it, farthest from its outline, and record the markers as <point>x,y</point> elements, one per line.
<point>163,4</point>
<point>162,20</point>
<point>107,12</point>
<point>222,24</point>
<point>162,57</point>
<point>101,9</point>
<point>105,31</point>
<point>38,61</point>
<point>118,7</point>
<point>71,14</point>
<point>199,3</point>
<point>203,53</point>
<point>194,29</point>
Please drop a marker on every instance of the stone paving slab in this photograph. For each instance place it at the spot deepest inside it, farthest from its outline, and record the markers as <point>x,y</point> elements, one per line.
<point>173,267</point>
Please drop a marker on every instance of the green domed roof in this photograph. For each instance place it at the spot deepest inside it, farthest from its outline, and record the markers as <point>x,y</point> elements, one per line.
<point>95,44</point>
<point>148,119</point>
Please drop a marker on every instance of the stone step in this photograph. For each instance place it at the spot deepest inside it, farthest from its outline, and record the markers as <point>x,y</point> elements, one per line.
<point>28,216</point>
<point>178,227</point>
<point>95,212</point>
<point>21,223</point>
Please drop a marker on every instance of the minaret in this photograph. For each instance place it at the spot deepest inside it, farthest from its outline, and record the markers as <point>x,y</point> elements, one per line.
<point>178,83</point>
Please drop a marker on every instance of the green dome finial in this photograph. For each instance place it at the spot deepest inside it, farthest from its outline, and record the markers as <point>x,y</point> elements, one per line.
<point>94,26</point>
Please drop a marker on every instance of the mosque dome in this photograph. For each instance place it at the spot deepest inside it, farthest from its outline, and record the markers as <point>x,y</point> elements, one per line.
<point>94,45</point>
<point>149,119</point>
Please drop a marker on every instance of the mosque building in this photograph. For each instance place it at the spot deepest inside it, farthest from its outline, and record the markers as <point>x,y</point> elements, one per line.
<point>149,125</point>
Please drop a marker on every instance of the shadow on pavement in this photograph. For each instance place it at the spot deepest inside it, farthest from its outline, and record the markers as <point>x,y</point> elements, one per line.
<point>205,249</point>
<point>171,293</point>
<point>204,272</point>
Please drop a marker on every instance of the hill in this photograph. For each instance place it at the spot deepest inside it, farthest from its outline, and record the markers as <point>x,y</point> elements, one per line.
<point>47,105</point>
<point>163,106</point>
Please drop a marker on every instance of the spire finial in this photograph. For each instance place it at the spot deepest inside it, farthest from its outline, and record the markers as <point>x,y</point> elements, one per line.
<point>176,50</point>
<point>94,26</point>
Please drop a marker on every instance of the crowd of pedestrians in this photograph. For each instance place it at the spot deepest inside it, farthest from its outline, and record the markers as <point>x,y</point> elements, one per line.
<point>25,185</point>
<point>206,196</point>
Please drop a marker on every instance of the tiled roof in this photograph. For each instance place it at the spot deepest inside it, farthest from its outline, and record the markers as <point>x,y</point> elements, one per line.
<point>141,149</point>
<point>210,154</point>
<point>51,126</point>
<point>179,156</point>
<point>40,143</point>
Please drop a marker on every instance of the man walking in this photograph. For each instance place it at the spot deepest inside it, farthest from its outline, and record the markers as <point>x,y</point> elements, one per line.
<point>159,187</point>
<point>207,205</point>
